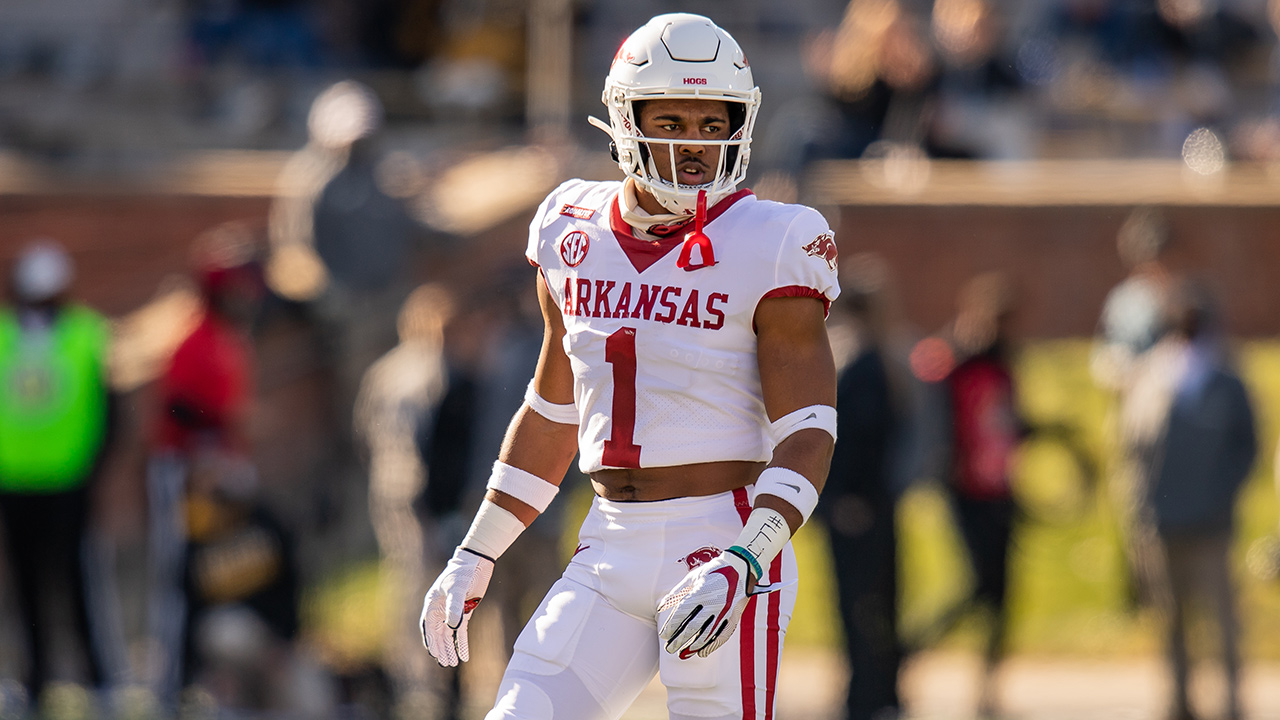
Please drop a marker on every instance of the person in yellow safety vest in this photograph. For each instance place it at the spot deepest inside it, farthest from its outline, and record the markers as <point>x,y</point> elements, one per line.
<point>55,418</point>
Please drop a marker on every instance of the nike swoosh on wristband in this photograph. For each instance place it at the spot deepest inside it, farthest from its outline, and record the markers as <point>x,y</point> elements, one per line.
<point>793,487</point>
<point>810,416</point>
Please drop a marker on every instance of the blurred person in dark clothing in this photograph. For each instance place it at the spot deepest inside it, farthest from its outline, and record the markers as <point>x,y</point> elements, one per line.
<point>55,429</point>
<point>243,592</point>
<point>1194,469</point>
<point>339,242</point>
<point>204,400</point>
<point>986,429</point>
<point>858,502</point>
<point>343,248</point>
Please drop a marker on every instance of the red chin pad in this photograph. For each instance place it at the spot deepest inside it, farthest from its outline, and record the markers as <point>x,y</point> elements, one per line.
<point>699,239</point>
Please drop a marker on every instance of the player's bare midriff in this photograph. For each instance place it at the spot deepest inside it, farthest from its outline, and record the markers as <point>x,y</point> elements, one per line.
<point>665,483</point>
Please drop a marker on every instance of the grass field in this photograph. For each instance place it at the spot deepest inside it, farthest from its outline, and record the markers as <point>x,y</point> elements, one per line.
<point>1069,594</point>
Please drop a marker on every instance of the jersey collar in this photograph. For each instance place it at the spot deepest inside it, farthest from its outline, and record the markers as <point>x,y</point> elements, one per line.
<point>641,252</point>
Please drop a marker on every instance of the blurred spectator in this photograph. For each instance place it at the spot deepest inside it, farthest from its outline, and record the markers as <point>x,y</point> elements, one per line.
<point>492,349</point>
<point>1133,320</point>
<point>343,246</point>
<point>242,589</point>
<point>510,354</point>
<point>980,110</point>
<point>55,430</point>
<point>986,429</point>
<point>205,398</point>
<point>399,400</point>
<point>859,500</point>
<point>1194,467</point>
<point>878,71</point>
<point>1132,315</point>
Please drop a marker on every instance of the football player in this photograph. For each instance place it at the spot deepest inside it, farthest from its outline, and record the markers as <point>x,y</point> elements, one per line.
<point>686,360</point>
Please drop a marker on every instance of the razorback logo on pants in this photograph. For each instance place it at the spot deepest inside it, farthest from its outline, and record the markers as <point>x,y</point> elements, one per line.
<point>701,556</point>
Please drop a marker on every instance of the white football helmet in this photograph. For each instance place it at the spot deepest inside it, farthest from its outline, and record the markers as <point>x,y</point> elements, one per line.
<point>680,56</point>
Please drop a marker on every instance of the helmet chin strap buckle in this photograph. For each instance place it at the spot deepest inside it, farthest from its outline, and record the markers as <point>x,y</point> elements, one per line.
<point>697,239</point>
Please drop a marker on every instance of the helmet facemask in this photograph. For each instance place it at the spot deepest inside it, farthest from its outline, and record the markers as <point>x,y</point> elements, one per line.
<point>636,151</point>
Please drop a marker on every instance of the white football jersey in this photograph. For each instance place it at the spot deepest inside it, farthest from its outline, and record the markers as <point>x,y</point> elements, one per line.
<point>664,359</point>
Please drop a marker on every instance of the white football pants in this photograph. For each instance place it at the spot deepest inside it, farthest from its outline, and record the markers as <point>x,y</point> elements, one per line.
<point>593,644</point>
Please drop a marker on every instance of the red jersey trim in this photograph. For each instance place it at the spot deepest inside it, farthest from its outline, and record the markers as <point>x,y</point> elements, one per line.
<point>773,640</point>
<point>644,253</point>
<point>795,291</point>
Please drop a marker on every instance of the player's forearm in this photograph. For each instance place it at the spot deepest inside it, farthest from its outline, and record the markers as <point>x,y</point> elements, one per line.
<point>807,453</point>
<point>786,495</point>
<point>537,446</point>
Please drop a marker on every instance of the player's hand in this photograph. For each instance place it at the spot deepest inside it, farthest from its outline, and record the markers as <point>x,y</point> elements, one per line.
<point>446,610</point>
<point>706,606</point>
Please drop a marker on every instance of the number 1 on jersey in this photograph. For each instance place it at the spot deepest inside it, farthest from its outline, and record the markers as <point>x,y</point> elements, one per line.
<point>620,449</point>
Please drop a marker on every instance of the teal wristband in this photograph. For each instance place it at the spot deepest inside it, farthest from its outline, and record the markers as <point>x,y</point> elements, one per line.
<point>751,561</point>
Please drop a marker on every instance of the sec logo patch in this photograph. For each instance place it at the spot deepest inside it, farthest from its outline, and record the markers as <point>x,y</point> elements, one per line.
<point>573,248</point>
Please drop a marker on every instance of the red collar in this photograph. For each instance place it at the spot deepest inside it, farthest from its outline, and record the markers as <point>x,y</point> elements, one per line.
<point>643,253</point>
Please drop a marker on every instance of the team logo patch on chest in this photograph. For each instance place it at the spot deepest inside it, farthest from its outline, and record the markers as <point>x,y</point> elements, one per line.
<point>573,248</point>
<point>824,246</point>
<point>701,556</point>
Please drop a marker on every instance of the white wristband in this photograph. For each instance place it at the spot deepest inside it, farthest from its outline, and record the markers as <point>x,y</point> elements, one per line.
<point>492,531</point>
<point>762,538</point>
<point>523,486</point>
<point>565,414</point>
<point>790,486</point>
<point>821,417</point>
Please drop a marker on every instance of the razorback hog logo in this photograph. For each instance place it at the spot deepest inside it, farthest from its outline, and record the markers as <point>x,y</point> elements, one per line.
<point>695,81</point>
<point>623,55</point>
<point>824,246</point>
<point>701,556</point>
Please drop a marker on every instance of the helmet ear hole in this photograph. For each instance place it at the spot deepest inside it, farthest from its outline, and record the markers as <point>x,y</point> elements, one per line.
<point>613,151</point>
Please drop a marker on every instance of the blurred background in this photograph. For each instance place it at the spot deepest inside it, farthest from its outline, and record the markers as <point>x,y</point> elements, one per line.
<point>285,239</point>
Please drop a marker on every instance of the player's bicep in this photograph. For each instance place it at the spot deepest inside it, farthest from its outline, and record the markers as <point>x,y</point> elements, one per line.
<point>797,370</point>
<point>796,366</point>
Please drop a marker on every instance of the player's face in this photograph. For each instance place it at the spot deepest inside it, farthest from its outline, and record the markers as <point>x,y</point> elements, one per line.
<point>688,121</point>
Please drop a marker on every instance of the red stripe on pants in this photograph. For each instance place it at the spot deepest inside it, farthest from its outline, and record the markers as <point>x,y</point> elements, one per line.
<point>773,638</point>
<point>746,627</point>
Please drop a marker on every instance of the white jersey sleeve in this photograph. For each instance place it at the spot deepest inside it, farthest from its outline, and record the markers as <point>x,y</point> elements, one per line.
<point>806,265</point>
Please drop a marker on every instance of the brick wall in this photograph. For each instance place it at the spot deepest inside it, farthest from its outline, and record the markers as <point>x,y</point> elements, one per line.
<point>1063,259</point>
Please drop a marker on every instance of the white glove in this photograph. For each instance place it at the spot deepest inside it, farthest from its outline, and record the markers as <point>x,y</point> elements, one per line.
<point>707,604</point>
<point>446,610</point>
